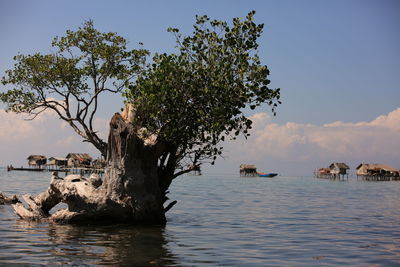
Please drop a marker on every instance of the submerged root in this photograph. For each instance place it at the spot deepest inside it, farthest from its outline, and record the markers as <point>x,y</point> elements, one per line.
<point>78,193</point>
<point>5,200</point>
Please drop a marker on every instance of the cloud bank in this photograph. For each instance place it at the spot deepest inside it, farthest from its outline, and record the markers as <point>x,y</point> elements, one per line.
<point>45,135</point>
<point>303,147</point>
<point>291,148</point>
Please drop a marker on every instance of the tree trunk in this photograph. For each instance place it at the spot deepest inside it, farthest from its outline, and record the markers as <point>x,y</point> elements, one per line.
<point>132,176</point>
<point>130,192</point>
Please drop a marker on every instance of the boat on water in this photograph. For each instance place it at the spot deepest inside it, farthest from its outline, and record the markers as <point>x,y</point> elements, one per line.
<point>269,175</point>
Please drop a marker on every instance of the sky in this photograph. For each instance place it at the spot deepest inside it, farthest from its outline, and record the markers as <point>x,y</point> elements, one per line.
<point>337,63</point>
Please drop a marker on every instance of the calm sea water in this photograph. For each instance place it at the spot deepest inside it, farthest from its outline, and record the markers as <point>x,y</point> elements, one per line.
<point>223,220</point>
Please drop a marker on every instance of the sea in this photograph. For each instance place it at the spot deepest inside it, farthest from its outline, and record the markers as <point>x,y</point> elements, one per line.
<point>222,220</point>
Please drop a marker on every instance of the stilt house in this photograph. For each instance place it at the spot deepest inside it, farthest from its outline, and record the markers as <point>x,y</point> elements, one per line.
<point>323,172</point>
<point>248,170</point>
<point>56,162</point>
<point>79,160</point>
<point>335,171</point>
<point>338,169</point>
<point>36,161</point>
<point>377,170</point>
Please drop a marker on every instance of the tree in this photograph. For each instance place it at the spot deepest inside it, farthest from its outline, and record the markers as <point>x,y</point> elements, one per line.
<point>194,99</point>
<point>85,64</point>
<point>178,111</point>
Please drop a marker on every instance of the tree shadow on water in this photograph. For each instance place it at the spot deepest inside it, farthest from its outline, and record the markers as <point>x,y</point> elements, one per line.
<point>105,245</point>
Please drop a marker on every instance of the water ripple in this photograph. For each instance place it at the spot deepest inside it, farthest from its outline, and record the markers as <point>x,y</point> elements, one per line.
<point>224,221</point>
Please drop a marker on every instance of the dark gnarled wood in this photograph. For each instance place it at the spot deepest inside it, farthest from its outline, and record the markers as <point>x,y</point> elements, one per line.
<point>130,191</point>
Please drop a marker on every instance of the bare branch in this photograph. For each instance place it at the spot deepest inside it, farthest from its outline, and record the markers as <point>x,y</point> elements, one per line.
<point>35,114</point>
<point>194,167</point>
<point>170,205</point>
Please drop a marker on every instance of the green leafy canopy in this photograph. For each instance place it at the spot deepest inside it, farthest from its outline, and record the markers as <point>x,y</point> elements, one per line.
<point>192,100</point>
<point>195,98</point>
<point>85,63</point>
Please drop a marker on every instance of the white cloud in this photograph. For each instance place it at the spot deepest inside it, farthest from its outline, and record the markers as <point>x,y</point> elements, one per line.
<point>291,147</point>
<point>46,134</point>
<point>306,146</point>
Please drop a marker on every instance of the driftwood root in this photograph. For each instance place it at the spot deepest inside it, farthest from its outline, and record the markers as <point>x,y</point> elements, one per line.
<point>5,200</point>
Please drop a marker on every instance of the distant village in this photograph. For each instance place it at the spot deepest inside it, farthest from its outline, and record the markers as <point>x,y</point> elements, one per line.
<point>73,162</point>
<point>339,170</point>
<point>365,171</point>
<point>83,163</point>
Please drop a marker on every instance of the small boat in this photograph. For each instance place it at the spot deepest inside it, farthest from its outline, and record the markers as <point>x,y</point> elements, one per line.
<point>263,174</point>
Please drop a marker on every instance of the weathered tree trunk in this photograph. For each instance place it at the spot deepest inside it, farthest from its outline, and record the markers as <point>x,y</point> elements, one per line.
<point>132,177</point>
<point>130,191</point>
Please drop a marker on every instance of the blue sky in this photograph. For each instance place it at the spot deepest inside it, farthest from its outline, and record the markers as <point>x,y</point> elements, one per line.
<point>334,60</point>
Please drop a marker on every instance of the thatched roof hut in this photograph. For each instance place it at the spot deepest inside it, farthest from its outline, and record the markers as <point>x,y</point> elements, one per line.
<point>79,159</point>
<point>338,168</point>
<point>57,161</point>
<point>248,170</point>
<point>37,160</point>
<point>365,169</point>
<point>324,171</point>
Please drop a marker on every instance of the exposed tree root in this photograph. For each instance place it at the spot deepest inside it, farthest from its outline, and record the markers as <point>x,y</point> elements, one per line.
<point>5,200</point>
<point>129,193</point>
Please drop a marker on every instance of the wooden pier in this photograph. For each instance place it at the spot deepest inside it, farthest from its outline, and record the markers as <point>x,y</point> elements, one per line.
<point>11,168</point>
<point>331,176</point>
<point>378,178</point>
<point>68,170</point>
<point>82,170</point>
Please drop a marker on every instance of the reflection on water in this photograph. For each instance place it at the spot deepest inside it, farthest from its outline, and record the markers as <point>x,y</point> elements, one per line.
<point>224,220</point>
<point>49,244</point>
